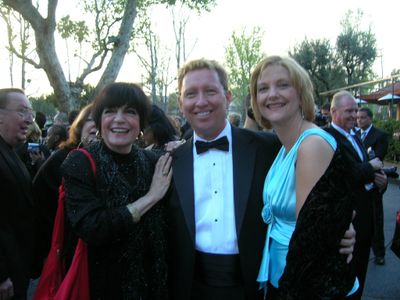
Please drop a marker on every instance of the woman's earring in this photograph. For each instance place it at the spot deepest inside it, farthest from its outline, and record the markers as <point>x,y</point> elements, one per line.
<point>98,135</point>
<point>140,135</point>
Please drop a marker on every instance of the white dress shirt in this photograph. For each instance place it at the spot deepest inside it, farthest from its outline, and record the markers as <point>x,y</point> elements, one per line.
<point>214,200</point>
<point>364,133</point>
<point>351,139</point>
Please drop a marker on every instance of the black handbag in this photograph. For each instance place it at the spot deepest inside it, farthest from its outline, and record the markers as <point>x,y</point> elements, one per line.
<point>396,237</point>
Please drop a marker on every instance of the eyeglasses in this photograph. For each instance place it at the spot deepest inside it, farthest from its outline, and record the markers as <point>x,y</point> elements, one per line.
<point>22,112</point>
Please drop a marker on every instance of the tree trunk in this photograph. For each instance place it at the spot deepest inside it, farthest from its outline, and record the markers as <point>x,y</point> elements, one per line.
<point>45,46</point>
<point>48,58</point>
<point>120,47</point>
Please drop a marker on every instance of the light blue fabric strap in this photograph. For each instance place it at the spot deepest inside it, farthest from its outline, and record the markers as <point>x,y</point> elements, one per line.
<point>320,132</point>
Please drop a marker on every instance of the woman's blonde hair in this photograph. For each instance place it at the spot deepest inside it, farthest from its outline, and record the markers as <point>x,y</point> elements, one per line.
<point>33,133</point>
<point>299,79</point>
<point>75,131</point>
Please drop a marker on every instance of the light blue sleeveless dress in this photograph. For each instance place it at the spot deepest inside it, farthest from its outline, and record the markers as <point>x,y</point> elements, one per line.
<point>280,209</point>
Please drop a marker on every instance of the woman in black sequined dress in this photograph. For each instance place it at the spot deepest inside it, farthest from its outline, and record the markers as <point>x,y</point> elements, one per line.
<point>118,211</point>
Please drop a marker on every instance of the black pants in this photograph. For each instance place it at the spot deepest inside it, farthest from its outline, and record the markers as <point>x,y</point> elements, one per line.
<point>360,263</point>
<point>202,291</point>
<point>378,238</point>
<point>217,277</point>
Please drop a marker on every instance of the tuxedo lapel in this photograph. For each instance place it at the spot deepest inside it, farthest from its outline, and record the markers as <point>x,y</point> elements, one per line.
<point>342,140</point>
<point>369,139</point>
<point>182,167</point>
<point>243,156</point>
<point>362,147</point>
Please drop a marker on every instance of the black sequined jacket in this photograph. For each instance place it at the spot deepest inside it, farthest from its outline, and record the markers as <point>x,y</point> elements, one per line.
<point>126,260</point>
<point>314,268</point>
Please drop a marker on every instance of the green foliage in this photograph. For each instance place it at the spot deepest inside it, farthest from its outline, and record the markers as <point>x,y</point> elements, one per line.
<point>75,29</point>
<point>392,127</point>
<point>45,104</point>
<point>318,58</point>
<point>173,106</point>
<point>241,56</point>
<point>107,16</point>
<point>349,62</point>
<point>395,72</point>
<point>356,49</point>
<point>393,153</point>
<point>197,5</point>
<point>49,105</point>
<point>86,93</point>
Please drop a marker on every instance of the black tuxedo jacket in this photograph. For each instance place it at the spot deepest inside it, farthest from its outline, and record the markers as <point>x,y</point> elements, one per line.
<point>16,220</point>
<point>253,154</point>
<point>361,174</point>
<point>377,140</point>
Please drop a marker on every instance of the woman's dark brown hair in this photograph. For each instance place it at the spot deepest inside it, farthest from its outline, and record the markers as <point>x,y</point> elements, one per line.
<point>119,94</point>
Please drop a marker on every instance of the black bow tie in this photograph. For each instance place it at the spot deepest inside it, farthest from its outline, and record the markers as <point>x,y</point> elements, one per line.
<point>220,144</point>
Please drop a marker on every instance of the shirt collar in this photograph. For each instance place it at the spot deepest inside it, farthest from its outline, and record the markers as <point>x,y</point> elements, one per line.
<point>227,131</point>
<point>341,130</point>
<point>366,130</point>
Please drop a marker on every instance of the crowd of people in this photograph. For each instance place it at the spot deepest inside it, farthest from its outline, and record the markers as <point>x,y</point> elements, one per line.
<point>268,211</point>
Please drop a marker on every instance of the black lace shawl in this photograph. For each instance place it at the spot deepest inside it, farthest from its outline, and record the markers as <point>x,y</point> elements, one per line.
<point>126,260</point>
<point>314,268</point>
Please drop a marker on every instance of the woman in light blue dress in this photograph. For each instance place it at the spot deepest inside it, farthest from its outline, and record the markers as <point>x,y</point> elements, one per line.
<point>307,196</point>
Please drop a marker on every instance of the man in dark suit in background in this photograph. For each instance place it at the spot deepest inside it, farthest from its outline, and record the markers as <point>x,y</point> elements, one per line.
<point>216,231</point>
<point>376,142</point>
<point>16,213</point>
<point>368,178</point>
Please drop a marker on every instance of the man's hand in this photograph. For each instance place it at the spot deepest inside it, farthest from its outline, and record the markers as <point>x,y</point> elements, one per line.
<point>6,289</point>
<point>348,241</point>
<point>376,164</point>
<point>37,157</point>
<point>381,180</point>
<point>173,145</point>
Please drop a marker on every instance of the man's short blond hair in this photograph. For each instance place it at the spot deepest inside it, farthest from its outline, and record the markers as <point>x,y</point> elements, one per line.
<point>199,64</point>
<point>337,98</point>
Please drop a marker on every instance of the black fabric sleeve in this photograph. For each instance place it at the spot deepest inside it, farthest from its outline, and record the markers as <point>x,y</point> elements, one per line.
<point>4,273</point>
<point>314,268</point>
<point>382,145</point>
<point>86,209</point>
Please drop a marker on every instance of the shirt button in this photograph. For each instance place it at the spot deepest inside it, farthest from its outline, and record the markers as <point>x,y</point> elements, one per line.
<point>215,192</point>
<point>213,164</point>
<point>216,220</point>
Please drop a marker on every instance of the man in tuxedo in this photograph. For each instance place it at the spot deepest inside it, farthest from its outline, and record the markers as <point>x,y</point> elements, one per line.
<point>367,178</point>
<point>16,213</point>
<point>376,142</point>
<point>216,230</point>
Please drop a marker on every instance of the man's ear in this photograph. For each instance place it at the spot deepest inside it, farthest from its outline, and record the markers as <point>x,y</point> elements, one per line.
<point>180,103</point>
<point>228,96</point>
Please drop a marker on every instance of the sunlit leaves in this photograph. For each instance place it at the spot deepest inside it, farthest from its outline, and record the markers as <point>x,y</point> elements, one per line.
<point>77,30</point>
<point>356,48</point>
<point>241,55</point>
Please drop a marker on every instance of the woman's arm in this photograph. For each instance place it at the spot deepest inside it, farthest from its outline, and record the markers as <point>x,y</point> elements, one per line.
<point>313,158</point>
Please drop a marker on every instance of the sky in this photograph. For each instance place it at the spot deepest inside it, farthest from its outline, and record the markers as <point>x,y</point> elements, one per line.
<point>285,23</point>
